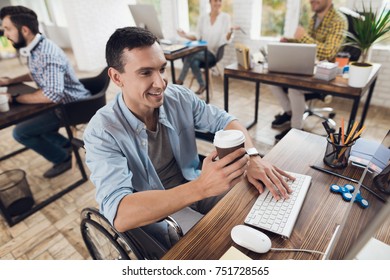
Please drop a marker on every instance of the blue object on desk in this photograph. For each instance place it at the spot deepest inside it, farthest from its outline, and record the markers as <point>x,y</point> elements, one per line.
<point>345,191</point>
<point>196,43</point>
<point>361,201</point>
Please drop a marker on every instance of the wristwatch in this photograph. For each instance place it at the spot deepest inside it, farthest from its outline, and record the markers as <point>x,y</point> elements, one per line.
<point>252,152</point>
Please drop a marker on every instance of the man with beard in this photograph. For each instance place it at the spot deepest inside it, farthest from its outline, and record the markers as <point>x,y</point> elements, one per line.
<point>327,29</point>
<point>56,81</point>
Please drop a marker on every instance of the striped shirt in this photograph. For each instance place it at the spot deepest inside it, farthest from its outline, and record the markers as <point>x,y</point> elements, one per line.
<point>53,74</point>
<point>329,35</point>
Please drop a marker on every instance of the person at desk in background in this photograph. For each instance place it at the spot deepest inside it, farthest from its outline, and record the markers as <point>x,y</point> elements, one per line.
<point>141,147</point>
<point>214,28</point>
<point>326,29</point>
<point>56,81</point>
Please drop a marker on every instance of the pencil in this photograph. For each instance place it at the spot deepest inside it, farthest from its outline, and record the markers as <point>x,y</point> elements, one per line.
<point>351,133</point>
<point>356,136</point>
<point>342,130</point>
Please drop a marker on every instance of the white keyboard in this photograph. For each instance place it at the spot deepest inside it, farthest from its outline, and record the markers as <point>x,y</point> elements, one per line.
<point>279,216</point>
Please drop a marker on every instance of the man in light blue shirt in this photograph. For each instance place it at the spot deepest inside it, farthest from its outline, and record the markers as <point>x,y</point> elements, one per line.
<point>141,147</point>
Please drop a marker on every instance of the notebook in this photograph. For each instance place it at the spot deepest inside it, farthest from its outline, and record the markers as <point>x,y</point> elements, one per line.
<point>293,58</point>
<point>279,216</point>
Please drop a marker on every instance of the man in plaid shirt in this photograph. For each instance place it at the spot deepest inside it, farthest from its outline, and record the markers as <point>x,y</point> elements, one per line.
<point>327,29</point>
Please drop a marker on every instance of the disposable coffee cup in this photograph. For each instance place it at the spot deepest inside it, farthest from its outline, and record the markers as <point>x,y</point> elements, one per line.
<point>227,141</point>
<point>4,105</point>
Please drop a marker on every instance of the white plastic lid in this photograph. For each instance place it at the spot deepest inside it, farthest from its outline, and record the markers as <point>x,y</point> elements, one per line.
<point>228,138</point>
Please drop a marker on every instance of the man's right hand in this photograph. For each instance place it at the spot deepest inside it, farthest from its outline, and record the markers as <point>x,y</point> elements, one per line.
<point>219,176</point>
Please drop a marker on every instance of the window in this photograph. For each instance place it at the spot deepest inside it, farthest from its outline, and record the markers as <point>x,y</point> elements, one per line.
<point>273,14</point>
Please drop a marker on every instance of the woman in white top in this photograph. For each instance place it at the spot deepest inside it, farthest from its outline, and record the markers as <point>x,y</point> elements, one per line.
<point>216,30</point>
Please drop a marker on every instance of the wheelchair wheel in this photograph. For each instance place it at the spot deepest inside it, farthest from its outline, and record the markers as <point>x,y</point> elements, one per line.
<point>103,241</point>
<point>100,243</point>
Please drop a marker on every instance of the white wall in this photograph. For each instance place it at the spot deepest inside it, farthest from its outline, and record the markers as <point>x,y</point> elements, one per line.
<point>90,24</point>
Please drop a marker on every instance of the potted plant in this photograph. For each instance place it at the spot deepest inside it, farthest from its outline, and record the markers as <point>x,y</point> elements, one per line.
<point>369,28</point>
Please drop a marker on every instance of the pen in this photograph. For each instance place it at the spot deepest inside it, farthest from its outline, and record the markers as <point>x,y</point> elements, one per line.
<point>242,30</point>
<point>347,178</point>
<point>327,128</point>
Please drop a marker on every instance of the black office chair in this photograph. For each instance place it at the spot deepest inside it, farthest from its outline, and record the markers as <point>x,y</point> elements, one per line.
<point>81,111</point>
<point>104,242</point>
<point>218,58</point>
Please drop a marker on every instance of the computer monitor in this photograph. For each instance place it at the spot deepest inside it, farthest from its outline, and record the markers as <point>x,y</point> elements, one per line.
<point>361,230</point>
<point>145,16</point>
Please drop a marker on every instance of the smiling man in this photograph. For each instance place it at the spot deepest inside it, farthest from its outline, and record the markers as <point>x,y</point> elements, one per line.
<point>141,147</point>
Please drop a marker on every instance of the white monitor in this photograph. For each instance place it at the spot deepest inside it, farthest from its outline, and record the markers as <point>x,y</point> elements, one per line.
<point>145,16</point>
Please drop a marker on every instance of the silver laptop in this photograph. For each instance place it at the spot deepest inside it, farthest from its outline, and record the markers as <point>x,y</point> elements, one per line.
<point>293,58</point>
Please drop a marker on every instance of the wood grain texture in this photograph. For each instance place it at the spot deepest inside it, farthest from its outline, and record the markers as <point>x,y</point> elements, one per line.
<point>321,211</point>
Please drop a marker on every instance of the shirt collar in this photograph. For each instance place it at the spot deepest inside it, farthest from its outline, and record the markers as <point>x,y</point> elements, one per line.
<point>133,121</point>
<point>26,51</point>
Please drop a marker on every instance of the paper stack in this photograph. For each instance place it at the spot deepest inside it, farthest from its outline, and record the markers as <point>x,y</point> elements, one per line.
<point>326,71</point>
<point>368,152</point>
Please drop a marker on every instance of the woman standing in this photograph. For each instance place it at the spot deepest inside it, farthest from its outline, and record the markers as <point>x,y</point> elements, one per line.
<point>216,30</point>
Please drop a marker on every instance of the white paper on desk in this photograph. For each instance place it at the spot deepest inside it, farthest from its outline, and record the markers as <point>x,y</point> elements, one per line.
<point>3,89</point>
<point>234,254</point>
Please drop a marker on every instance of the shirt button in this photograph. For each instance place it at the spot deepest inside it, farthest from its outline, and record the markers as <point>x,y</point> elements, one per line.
<point>143,143</point>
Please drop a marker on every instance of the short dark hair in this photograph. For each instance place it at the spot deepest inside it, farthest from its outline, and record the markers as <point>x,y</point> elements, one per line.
<point>126,38</point>
<point>21,16</point>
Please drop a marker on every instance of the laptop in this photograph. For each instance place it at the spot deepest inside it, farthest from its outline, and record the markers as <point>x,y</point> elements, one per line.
<point>145,16</point>
<point>292,58</point>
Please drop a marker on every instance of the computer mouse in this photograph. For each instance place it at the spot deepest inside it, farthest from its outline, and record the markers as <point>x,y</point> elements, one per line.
<point>251,239</point>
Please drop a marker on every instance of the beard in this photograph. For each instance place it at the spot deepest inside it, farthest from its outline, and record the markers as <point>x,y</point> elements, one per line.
<point>21,43</point>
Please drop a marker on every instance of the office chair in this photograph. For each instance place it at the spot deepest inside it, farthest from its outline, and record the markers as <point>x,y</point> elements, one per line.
<point>104,242</point>
<point>81,111</point>
<point>218,58</point>
<point>319,112</point>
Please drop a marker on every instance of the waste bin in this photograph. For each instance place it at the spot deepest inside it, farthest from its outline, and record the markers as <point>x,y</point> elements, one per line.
<point>15,194</point>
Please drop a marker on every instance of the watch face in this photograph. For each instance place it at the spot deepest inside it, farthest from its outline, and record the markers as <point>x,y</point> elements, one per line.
<point>252,152</point>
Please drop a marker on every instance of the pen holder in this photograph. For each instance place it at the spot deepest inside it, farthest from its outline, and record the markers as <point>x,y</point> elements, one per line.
<point>336,155</point>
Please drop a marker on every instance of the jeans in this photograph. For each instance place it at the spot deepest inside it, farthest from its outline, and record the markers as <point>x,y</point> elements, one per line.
<point>41,135</point>
<point>194,62</point>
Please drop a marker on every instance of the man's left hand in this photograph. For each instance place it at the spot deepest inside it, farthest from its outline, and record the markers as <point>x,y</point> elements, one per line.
<point>260,172</point>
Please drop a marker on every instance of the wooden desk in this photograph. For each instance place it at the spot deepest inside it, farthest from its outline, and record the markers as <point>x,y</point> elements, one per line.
<point>337,87</point>
<point>321,211</point>
<point>18,113</point>
<point>185,52</point>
